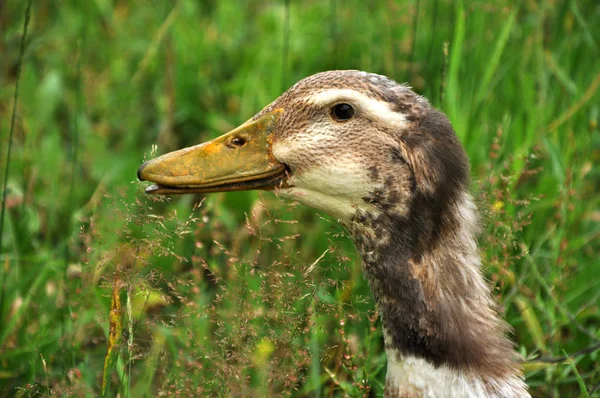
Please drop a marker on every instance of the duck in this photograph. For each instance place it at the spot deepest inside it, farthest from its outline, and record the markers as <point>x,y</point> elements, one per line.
<point>389,167</point>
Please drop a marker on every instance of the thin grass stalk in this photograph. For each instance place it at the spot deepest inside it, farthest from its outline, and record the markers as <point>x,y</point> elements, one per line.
<point>129,308</point>
<point>154,45</point>
<point>565,358</point>
<point>391,22</point>
<point>11,324</point>
<point>454,62</point>
<point>333,31</point>
<point>582,388</point>
<point>433,30</point>
<point>444,71</point>
<point>573,109</point>
<point>315,366</point>
<point>411,63</point>
<point>452,98</point>
<point>589,36</point>
<point>10,135</point>
<point>494,61</point>
<point>286,46</point>
<point>595,388</point>
<point>114,333</point>
<point>294,333</point>
<point>74,146</point>
<point>430,53</point>
<point>127,386</point>
<point>66,313</point>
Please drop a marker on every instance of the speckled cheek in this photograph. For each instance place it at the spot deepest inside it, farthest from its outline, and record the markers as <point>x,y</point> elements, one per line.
<point>284,151</point>
<point>319,163</point>
<point>305,146</point>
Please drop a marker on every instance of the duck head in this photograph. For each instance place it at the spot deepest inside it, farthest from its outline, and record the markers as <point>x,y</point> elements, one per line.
<point>343,142</point>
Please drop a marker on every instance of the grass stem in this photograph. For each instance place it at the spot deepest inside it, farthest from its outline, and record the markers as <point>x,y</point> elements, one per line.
<point>10,140</point>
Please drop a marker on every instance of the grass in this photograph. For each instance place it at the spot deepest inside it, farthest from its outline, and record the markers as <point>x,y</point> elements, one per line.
<point>238,293</point>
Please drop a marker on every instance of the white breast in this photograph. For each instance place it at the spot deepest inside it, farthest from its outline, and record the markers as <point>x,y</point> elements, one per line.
<point>416,377</point>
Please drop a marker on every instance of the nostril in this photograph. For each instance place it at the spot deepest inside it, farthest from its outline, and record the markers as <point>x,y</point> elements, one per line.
<point>139,171</point>
<point>237,142</point>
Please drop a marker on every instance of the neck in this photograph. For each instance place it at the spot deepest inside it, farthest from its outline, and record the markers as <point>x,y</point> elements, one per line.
<point>441,329</point>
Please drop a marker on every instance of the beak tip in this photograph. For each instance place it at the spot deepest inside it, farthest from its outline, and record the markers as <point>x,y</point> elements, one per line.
<point>139,171</point>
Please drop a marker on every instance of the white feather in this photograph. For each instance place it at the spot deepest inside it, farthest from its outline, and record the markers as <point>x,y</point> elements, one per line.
<point>371,107</point>
<point>416,376</point>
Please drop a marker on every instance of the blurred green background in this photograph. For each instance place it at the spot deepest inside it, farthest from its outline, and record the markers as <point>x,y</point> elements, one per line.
<point>245,295</point>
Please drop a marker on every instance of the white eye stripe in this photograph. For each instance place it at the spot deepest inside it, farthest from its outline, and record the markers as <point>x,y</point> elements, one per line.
<point>372,107</point>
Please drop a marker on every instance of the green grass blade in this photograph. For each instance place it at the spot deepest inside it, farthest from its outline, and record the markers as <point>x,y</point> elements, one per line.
<point>494,60</point>
<point>451,93</point>
<point>10,142</point>
<point>582,388</point>
<point>9,327</point>
<point>315,365</point>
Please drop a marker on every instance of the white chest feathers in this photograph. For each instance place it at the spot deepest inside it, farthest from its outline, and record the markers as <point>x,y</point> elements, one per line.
<point>414,377</point>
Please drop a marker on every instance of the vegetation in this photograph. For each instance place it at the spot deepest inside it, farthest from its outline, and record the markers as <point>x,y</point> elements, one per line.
<point>108,291</point>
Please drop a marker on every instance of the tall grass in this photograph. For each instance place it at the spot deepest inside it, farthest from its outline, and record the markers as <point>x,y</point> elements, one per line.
<point>108,291</point>
<point>10,140</point>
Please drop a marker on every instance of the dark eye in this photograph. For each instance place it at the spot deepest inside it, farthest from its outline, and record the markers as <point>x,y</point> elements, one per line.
<point>237,142</point>
<point>342,112</point>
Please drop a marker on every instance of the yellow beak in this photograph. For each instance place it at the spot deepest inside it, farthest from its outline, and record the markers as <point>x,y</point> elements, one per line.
<point>239,160</point>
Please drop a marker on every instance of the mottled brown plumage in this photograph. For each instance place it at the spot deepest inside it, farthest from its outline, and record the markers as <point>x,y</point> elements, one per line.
<point>396,176</point>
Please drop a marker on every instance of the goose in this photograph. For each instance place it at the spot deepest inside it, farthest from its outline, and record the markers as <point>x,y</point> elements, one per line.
<point>389,167</point>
